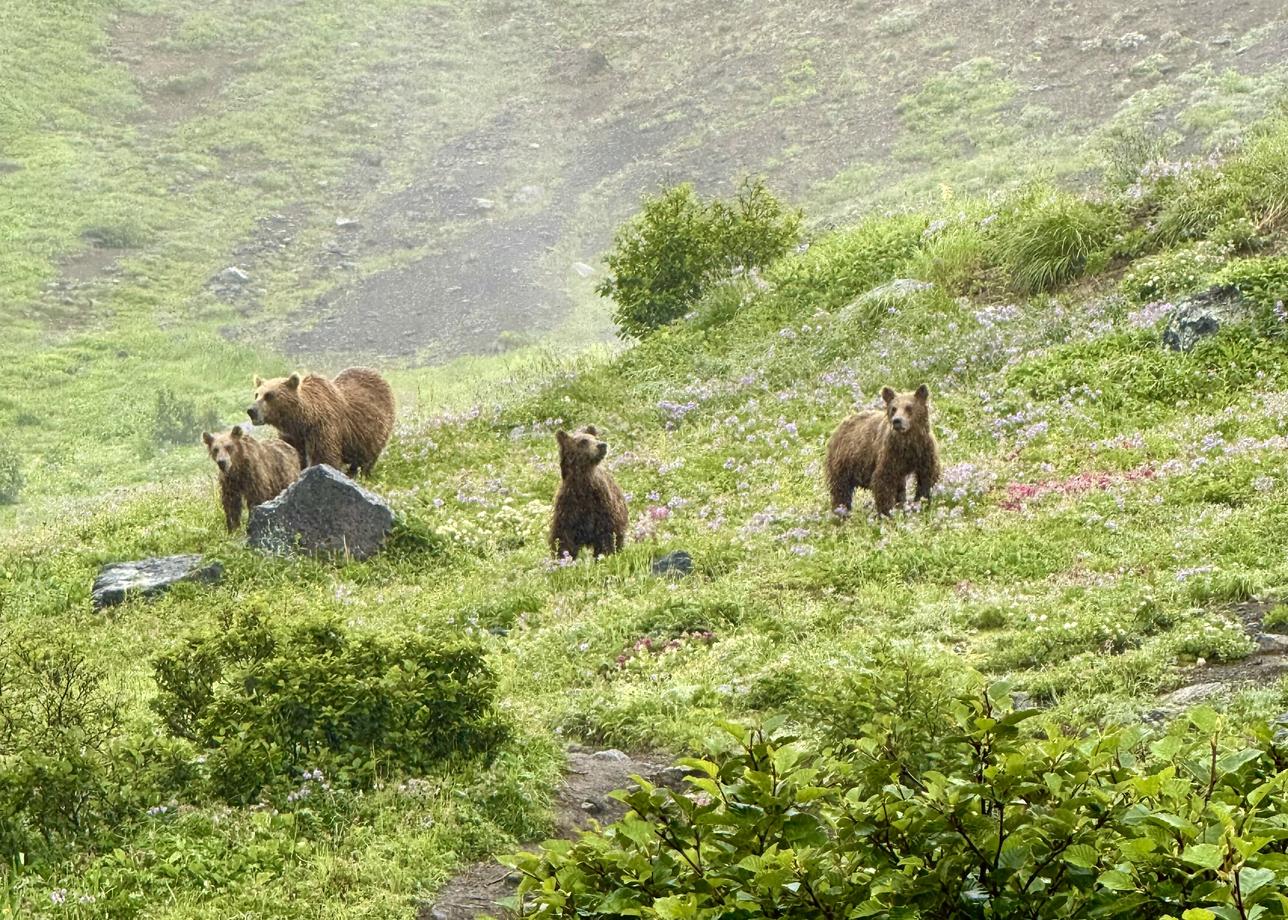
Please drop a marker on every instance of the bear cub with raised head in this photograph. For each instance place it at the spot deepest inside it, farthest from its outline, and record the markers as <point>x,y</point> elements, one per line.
<point>879,449</point>
<point>590,508</point>
<point>250,471</point>
<point>344,423</point>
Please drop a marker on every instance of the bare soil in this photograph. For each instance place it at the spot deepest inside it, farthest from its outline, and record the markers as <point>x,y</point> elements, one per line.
<point>583,798</point>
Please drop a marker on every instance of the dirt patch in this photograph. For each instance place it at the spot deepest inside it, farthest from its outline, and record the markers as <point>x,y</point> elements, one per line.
<point>176,82</point>
<point>582,799</point>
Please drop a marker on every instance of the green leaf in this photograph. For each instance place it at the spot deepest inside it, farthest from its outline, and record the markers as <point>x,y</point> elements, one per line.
<point>1252,880</point>
<point>1116,880</point>
<point>1204,855</point>
<point>1082,856</point>
<point>1198,913</point>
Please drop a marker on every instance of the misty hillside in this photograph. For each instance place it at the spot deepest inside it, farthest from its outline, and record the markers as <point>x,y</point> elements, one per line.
<point>406,183</point>
<point>1054,687</point>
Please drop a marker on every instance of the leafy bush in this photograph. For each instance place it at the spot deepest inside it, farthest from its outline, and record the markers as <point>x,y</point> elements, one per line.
<point>678,245</point>
<point>1172,272</point>
<point>58,773</point>
<point>11,478</point>
<point>956,813</point>
<point>176,420</point>
<point>1263,281</point>
<point>1049,237</point>
<point>269,703</point>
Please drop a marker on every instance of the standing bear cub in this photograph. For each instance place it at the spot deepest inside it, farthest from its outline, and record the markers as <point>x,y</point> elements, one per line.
<point>344,423</point>
<point>250,471</point>
<point>879,449</point>
<point>590,509</point>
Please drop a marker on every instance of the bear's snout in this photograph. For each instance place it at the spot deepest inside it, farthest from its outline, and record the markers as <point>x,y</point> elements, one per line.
<point>222,463</point>
<point>899,423</point>
<point>253,412</point>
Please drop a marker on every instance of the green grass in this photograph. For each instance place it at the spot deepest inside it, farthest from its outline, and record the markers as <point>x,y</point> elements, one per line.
<point>1107,504</point>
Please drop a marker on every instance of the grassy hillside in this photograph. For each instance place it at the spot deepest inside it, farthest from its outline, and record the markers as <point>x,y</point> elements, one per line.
<point>1111,521</point>
<point>480,157</point>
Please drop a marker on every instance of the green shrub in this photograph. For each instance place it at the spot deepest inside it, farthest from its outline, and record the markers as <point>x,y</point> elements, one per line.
<point>11,478</point>
<point>678,245</point>
<point>843,265</point>
<point>270,703</point>
<point>1050,237</point>
<point>958,259</point>
<point>176,420</point>
<point>59,775</point>
<point>957,812</point>
<point>1172,272</point>
<point>1263,281</point>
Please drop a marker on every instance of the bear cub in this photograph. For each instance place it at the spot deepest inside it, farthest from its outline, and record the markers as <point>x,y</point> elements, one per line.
<point>590,508</point>
<point>250,471</point>
<point>879,449</point>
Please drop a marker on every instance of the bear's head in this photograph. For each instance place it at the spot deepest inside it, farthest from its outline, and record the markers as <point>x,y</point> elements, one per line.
<point>225,449</point>
<point>276,400</point>
<point>580,452</point>
<point>907,411</point>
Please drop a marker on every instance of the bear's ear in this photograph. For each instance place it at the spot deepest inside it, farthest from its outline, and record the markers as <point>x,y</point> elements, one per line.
<point>887,394</point>
<point>236,432</point>
<point>923,393</point>
<point>590,430</point>
<point>293,381</point>
<point>562,437</point>
<point>208,438</point>
<point>259,381</point>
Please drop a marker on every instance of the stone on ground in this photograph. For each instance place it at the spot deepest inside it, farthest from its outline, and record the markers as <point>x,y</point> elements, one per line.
<point>322,512</point>
<point>149,577</point>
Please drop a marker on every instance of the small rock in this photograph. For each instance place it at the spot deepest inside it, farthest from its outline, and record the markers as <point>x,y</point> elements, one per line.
<point>610,754</point>
<point>1022,700</point>
<point>1271,643</point>
<point>583,269</point>
<point>1203,315</point>
<point>673,777</point>
<point>1188,696</point>
<point>232,275</point>
<point>484,204</point>
<point>149,577</point>
<point>591,808</point>
<point>527,194</point>
<point>677,564</point>
<point>323,511</point>
<point>347,223</point>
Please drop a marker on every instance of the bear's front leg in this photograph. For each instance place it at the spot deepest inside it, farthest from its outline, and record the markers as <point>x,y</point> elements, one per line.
<point>885,492</point>
<point>231,499</point>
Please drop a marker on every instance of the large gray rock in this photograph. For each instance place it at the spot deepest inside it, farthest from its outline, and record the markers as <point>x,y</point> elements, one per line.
<point>322,512</point>
<point>1205,314</point>
<point>148,577</point>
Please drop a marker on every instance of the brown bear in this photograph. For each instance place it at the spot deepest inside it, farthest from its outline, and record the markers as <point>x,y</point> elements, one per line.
<point>590,509</point>
<point>879,449</point>
<point>250,470</point>
<point>344,423</point>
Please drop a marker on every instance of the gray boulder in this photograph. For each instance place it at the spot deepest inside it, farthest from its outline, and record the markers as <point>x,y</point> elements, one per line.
<point>322,512</point>
<point>1204,314</point>
<point>149,577</point>
<point>676,564</point>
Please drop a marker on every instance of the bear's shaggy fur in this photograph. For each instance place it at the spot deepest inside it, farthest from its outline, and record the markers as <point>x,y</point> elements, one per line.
<point>344,423</point>
<point>250,470</point>
<point>590,509</point>
<point>879,449</point>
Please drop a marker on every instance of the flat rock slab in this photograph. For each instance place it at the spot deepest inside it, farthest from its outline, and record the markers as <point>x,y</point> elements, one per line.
<point>149,577</point>
<point>323,512</point>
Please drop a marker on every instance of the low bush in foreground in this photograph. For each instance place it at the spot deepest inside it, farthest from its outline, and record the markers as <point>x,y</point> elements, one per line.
<point>271,703</point>
<point>960,812</point>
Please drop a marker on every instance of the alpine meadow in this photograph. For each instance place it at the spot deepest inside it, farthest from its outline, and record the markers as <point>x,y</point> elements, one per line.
<point>677,460</point>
